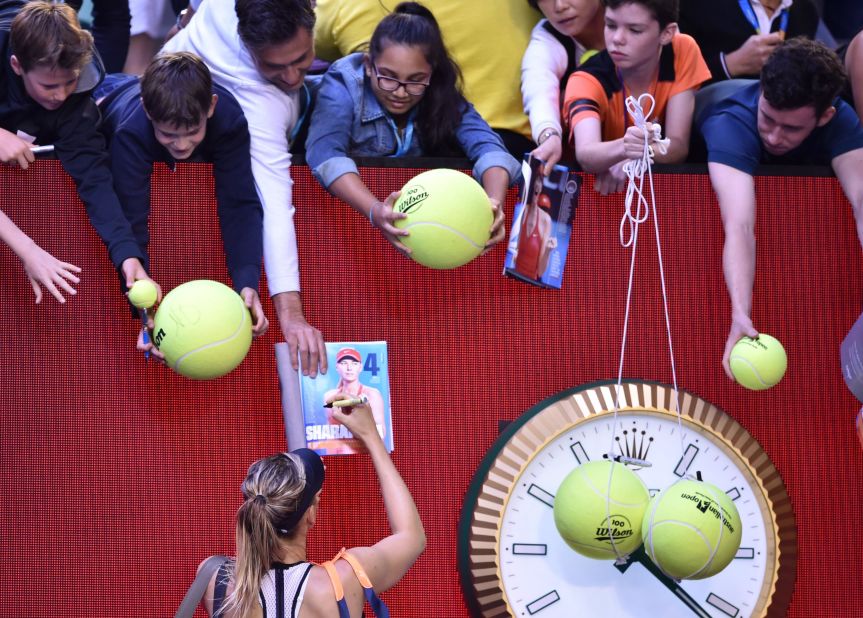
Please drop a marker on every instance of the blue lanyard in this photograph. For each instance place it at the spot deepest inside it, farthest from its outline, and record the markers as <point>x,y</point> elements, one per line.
<point>307,103</point>
<point>749,13</point>
<point>403,145</point>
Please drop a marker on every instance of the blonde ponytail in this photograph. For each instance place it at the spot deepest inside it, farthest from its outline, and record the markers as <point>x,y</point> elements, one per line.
<point>273,488</point>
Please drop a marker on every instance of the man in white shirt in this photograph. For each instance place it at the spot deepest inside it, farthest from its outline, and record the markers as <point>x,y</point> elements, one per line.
<point>260,50</point>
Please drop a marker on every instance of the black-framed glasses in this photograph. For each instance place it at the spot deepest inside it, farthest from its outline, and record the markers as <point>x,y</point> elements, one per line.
<point>391,84</point>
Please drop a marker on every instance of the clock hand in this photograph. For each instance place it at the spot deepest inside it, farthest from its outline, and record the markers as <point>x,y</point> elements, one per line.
<point>639,555</point>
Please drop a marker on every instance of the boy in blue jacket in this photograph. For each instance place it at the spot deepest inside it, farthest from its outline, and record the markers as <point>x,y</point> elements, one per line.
<point>175,113</point>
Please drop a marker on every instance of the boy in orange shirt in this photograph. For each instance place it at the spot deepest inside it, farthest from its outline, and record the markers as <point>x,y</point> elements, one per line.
<point>644,55</point>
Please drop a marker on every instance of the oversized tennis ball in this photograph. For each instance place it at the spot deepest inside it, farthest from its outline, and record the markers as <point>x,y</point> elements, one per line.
<point>758,363</point>
<point>599,520</point>
<point>143,294</point>
<point>203,328</point>
<point>691,530</point>
<point>448,215</point>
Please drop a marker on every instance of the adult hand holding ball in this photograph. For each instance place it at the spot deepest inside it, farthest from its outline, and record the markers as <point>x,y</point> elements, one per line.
<point>758,364</point>
<point>449,218</point>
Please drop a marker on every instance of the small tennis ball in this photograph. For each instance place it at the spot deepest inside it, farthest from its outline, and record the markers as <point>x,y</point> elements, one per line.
<point>598,521</point>
<point>691,530</point>
<point>759,363</point>
<point>143,294</point>
<point>203,328</point>
<point>448,215</point>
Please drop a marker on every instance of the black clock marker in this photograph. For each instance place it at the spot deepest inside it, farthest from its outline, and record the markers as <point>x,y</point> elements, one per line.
<point>686,460</point>
<point>722,605</point>
<point>540,494</point>
<point>529,549</point>
<point>542,602</point>
<point>579,453</point>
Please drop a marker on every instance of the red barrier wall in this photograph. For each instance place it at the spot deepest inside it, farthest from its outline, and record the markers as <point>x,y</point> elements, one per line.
<point>118,476</point>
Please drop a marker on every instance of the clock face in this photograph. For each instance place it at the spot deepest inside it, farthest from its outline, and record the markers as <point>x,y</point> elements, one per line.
<point>514,562</point>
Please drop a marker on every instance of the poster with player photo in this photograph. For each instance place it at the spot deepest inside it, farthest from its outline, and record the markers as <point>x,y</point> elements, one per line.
<point>361,371</point>
<point>542,225</point>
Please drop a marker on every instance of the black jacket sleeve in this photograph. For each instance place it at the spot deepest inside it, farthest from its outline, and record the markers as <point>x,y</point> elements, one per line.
<point>81,149</point>
<point>240,212</point>
<point>132,167</point>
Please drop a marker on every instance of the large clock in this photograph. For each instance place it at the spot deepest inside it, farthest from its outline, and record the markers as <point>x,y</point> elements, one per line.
<point>513,562</point>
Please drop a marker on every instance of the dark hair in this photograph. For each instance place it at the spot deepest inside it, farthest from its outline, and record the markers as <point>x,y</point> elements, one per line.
<point>802,72</point>
<point>664,11</point>
<point>441,109</point>
<point>534,4</point>
<point>177,89</point>
<point>47,34</point>
<point>270,22</point>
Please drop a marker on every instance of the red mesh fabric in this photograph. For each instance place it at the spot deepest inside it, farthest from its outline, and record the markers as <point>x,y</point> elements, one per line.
<point>119,477</point>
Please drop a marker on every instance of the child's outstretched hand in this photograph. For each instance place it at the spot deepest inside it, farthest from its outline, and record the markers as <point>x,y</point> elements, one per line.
<point>383,216</point>
<point>43,269</point>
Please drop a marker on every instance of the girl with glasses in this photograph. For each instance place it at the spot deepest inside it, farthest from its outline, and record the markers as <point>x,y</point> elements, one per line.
<point>401,99</point>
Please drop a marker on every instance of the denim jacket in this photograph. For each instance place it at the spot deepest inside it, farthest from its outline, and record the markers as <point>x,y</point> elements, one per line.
<point>348,121</point>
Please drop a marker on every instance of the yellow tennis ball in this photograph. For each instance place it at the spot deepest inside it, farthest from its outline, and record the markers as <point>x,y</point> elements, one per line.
<point>203,328</point>
<point>448,215</point>
<point>691,530</point>
<point>758,363</point>
<point>596,520</point>
<point>143,294</point>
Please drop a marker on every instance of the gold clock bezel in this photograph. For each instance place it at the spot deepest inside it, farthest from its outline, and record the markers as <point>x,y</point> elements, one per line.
<point>524,438</point>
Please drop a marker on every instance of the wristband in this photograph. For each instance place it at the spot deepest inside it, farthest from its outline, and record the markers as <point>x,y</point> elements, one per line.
<point>372,214</point>
<point>546,133</point>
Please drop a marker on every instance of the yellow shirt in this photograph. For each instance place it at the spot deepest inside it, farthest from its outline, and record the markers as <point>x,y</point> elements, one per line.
<point>487,38</point>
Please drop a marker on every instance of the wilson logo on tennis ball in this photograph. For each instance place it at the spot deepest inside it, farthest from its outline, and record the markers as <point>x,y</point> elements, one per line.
<point>615,528</point>
<point>413,197</point>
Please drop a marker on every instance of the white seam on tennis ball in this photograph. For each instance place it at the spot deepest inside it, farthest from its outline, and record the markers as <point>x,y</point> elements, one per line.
<point>685,525</point>
<point>445,227</point>
<point>752,367</point>
<point>716,501</point>
<point>608,498</point>
<point>598,548</point>
<point>215,343</point>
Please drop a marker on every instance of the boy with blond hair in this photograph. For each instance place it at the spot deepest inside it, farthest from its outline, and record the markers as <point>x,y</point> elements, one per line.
<point>49,69</point>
